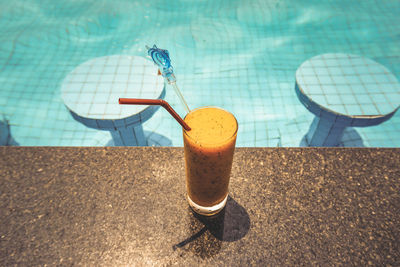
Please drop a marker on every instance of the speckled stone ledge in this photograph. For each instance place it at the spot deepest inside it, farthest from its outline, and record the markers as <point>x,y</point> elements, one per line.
<point>126,206</point>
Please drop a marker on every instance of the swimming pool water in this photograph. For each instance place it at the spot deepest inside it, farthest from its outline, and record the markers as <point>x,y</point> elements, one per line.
<point>239,55</point>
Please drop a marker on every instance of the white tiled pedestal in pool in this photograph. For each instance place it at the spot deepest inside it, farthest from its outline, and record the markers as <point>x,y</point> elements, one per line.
<point>91,92</point>
<point>344,90</point>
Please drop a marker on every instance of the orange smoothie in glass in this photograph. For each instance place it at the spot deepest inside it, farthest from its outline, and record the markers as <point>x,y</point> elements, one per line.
<point>209,147</point>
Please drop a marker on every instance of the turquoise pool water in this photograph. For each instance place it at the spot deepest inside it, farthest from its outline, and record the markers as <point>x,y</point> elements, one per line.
<point>239,55</point>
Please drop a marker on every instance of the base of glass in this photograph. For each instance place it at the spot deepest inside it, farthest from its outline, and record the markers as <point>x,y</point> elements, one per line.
<point>207,211</point>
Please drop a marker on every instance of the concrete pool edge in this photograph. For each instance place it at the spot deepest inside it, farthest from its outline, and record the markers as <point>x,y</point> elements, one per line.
<point>126,205</point>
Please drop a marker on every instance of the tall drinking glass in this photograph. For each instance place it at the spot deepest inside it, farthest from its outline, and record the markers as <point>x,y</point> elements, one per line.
<point>209,148</point>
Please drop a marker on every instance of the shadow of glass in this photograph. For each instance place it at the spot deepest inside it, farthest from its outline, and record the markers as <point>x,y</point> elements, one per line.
<point>350,138</point>
<point>208,232</point>
<point>231,224</point>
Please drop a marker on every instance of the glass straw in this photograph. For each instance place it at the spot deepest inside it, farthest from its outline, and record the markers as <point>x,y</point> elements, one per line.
<point>160,102</point>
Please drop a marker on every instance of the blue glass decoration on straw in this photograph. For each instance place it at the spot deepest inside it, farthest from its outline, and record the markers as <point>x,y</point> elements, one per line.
<point>162,60</point>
